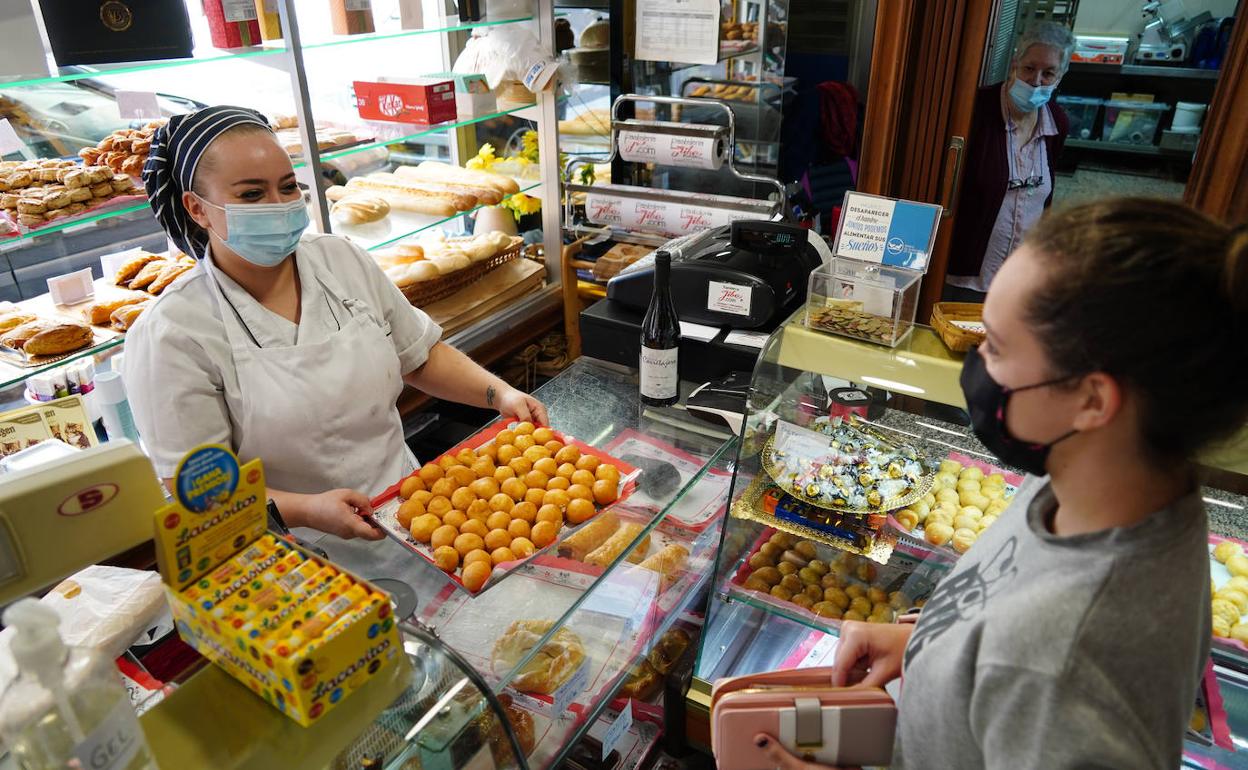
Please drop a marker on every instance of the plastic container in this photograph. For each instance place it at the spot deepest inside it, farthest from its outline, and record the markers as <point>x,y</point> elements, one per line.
<point>1081,112</point>
<point>1132,122</point>
<point>869,302</point>
<point>1187,117</point>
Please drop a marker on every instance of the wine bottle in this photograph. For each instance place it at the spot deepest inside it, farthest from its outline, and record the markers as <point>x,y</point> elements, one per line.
<point>660,340</point>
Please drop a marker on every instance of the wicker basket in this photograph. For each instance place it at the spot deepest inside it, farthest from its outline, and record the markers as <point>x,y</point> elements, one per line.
<point>424,293</point>
<point>957,339</point>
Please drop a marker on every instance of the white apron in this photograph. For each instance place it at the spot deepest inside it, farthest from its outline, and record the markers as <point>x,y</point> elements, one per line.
<point>322,415</point>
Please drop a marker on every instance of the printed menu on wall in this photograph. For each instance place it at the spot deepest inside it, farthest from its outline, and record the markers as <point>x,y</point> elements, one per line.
<point>678,31</point>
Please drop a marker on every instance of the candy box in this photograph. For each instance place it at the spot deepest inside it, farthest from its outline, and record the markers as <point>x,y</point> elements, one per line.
<point>299,631</point>
<point>415,100</point>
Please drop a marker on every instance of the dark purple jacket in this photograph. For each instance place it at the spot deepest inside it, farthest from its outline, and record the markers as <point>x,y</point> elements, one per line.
<point>985,173</point>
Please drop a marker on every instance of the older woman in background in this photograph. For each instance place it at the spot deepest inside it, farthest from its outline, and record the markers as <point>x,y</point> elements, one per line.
<point>1016,135</point>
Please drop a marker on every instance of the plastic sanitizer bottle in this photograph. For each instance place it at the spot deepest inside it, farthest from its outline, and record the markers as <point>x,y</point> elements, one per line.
<point>67,707</point>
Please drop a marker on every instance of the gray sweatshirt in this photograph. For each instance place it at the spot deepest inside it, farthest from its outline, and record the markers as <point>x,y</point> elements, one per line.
<point>1038,651</point>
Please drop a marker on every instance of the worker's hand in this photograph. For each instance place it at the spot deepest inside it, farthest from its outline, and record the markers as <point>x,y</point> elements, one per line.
<point>519,405</point>
<point>782,759</point>
<point>869,654</point>
<point>339,512</point>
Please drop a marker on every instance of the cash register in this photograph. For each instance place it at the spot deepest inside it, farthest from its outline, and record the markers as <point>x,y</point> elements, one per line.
<point>746,275</point>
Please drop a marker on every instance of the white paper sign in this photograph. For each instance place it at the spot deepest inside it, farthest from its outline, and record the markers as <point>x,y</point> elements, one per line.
<point>864,229</point>
<point>885,231</point>
<point>699,332</point>
<point>72,288</point>
<point>617,730</point>
<point>731,298</point>
<point>238,10</point>
<point>748,339</point>
<point>9,140</point>
<point>567,692</point>
<point>140,105</point>
<point>798,441</point>
<point>678,31</point>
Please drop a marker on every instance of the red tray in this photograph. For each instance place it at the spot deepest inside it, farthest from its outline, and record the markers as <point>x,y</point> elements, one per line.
<point>628,484</point>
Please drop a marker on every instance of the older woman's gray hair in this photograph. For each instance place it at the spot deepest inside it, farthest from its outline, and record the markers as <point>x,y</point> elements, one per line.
<point>1048,33</point>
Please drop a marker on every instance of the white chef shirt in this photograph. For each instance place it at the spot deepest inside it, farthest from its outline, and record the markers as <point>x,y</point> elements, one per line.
<point>179,369</point>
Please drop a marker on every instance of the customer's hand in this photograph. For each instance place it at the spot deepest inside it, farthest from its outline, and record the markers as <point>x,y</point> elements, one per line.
<point>782,759</point>
<point>339,512</point>
<point>869,654</point>
<point>519,405</point>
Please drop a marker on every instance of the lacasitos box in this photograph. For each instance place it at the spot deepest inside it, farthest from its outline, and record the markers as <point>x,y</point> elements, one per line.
<point>301,632</point>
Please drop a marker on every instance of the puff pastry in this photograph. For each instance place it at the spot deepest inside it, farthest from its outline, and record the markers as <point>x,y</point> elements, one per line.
<point>168,276</point>
<point>603,555</point>
<point>554,663</point>
<point>669,563</point>
<point>15,318</point>
<point>124,317</point>
<point>589,537</point>
<point>126,273</point>
<point>150,272</point>
<point>58,338</point>
<point>100,312</point>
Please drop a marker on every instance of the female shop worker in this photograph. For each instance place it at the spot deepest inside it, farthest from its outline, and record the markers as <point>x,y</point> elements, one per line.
<point>1016,135</point>
<point>1074,632</point>
<point>285,345</point>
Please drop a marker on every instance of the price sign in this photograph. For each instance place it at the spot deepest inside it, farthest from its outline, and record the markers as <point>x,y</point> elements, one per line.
<point>137,105</point>
<point>617,730</point>
<point>570,689</point>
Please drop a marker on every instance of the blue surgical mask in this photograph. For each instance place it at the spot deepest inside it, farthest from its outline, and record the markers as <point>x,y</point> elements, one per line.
<point>264,234</point>
<point>1029,98</point>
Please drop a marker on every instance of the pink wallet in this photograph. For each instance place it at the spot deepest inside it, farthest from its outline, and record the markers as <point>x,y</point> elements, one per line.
<point>810,718</point>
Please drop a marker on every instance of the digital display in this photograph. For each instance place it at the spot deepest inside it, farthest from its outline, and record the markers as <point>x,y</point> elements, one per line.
<point>782,239</point>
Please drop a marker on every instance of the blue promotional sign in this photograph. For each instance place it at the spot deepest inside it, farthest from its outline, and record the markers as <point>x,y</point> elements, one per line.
<point>886,231</point>
<point>207,476</point>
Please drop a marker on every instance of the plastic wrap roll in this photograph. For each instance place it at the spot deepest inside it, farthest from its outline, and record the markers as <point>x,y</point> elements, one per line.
<point>705,152</point>
<point>657,216</point>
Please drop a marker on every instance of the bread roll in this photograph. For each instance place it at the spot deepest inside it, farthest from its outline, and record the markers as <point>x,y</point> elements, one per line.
<point>406,275</point>
<point>434,171</point>
<point>589,537</point>
<point>449,263</point>
<point>360,209</point>
<point>394,186</point>
<point>101,311</point>
<point>603,555</point>
<point>401,254</point>
<point>49,338</point>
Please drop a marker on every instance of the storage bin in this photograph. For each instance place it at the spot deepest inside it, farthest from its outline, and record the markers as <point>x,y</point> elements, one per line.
<point>1081,113</point>
<point>869,302</point>
<point>1132,122</point>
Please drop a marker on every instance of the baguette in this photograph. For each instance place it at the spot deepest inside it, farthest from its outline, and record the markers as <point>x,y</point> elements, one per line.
<point>395,186</point>
<point>590,537</point>
<point>603,555</point>
<point>485,194</point>
<point>438,207</point>
<point>668,563</point>
<point>433,171</point>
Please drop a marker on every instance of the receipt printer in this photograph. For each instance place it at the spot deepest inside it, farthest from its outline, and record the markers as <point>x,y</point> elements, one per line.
<point>746,275</point>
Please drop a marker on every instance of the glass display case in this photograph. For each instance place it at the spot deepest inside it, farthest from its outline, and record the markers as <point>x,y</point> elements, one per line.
<point>304,80</point>
<point>763,612</point>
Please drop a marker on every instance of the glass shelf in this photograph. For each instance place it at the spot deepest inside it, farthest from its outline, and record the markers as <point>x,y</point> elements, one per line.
<point>382,128</point>
<point>11,375</point>
<point>340,40</point>
<point>402,224</point>
<point>208,55</point>
<point>58,226</point>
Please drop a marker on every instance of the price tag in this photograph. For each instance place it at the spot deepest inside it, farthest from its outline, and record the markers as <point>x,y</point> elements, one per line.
<point>617,730</point>
<point>9,140</point>
<point>137,105</point>
<point>569,690</point>
<point>236,11</point>
<point>799,441</point>
<point>748,339</point>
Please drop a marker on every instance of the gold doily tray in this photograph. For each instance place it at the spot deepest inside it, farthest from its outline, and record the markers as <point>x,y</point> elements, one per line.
<point>20,359</point>
<point>747,507</point>
<point>914,495</point>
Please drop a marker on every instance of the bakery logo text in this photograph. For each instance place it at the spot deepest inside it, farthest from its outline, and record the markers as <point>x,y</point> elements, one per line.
<point>191,532</point>
<point>363,660</point>
<point>116,15</point>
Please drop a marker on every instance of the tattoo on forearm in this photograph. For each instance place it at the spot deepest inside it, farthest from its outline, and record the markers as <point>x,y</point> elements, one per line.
<point>490,393</point>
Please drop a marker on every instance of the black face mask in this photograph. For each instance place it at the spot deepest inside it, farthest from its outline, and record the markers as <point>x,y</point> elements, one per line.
<point>986,399</point>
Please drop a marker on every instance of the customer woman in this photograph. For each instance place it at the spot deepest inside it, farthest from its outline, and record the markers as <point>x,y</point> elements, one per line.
<point>1075,630</point>
<point>285,345</point>
<point>1016,136</point>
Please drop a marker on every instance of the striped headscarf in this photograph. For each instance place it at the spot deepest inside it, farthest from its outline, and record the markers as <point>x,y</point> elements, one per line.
<point>176,149</point>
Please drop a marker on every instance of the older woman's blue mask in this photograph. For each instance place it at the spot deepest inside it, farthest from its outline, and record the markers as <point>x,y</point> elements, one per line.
<point>1029,98</point>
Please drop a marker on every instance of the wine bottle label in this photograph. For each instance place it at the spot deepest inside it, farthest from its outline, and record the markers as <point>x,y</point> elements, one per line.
<point>114,742</point>
<point>659,378</point>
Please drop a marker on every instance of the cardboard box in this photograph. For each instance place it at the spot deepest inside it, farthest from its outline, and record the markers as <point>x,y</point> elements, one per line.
<point>473,97</point>
<point>249,602</point>
<point>418,100</point>
<point>113,31</point>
